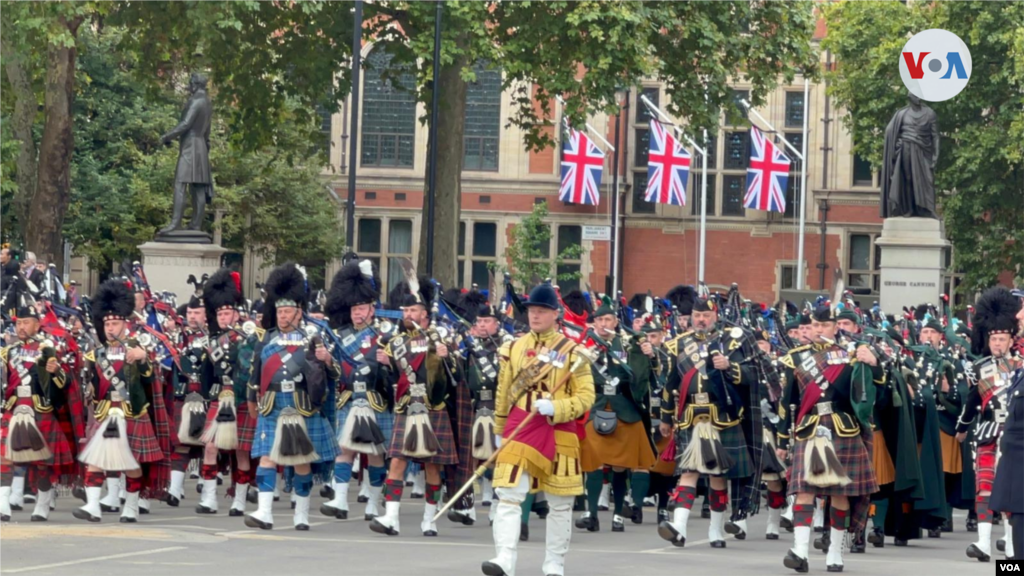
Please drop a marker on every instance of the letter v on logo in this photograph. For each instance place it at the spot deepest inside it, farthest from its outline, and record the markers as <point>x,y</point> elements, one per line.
<point>916,69</point>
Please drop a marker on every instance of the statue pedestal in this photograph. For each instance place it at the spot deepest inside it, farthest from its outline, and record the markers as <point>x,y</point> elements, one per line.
<point>169,264</point>
<point>913,260</point>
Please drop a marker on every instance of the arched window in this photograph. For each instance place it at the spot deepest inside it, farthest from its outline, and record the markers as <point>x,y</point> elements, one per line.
<point>483,119</point>
<point>389,114</point>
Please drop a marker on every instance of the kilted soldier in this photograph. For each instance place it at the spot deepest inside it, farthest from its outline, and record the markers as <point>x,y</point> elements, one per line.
<point>119,372</point>
<point>481,369</point>
<point>992,339</point>
<point>35,389</point>
<point>544,455</point>
<point>826,387</point>
<point>417,362</point>
<point>287,384</point>
<point>663,472</point>
<point>618,432</point>
<point>365,416</point>
<point>190,379</point>
<point>773,468</point>
<point>229,427</point>
<point>701,404</point>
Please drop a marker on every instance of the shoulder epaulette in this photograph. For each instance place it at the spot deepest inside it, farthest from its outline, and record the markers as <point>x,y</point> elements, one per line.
<point>505,350</point>
<point>4,352</point>
<point>260,333</point>
<point>90,356</point>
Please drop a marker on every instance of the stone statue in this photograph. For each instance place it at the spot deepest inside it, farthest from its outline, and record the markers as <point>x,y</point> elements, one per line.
<point>193,172</point>
<point>908,163</point>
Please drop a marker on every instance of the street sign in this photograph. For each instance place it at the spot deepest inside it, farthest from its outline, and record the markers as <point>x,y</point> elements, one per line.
<point>597,232</point>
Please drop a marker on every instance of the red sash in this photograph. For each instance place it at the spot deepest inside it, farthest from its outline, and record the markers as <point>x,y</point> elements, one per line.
<point>538,433</point>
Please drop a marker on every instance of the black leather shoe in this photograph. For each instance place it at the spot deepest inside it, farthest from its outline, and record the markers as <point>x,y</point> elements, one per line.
<point>492,569</point>
<point>734,529</point>
<point>705,509</point>
<point>79,492</point>
<point>858,546</point>
<point>901,542</point>
<point>327,492</point>
<point>947,526</point>
<point>834,568</point>
<point>37,518</point>
<point>935,533</point>
<point>718,544</point>
<point>524,532</point>
<point>200,509</point>
<point>77,513</point>
<point>589,523</point>
<point>379,528</point>
<point>786,525</point>
<point>16,507</point>
<point>974,552</point>
<point>459,517</point>
<point>972,524</point>
<point>668,532</point>
<point>617,524</point>
<point>127,520</point>
<point>541,509</point>
<point>823,542</point>
<point>662,515</point>
<point>795,562</point>
<point>637,517</point>
<point>302,527</point>
<point>106,508</point>
<point>252,497</point>
<point>235,513</point>
<point>877,538</point>
<point>256,523</point>
<point>172,500</point>
<point>1001,545</point>
<point>362,499</point>
<point>771,536</point>
<point>430,533</point>
<point>416,496</point>
<point>199,488</point>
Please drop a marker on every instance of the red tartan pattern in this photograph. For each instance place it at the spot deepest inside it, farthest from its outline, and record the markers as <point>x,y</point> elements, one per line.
<point>854,454</point>
<point>52,432</point>
<point>142,439</point>
<point>245,426</point>
<point>442,426</point>
<point>985,468</point>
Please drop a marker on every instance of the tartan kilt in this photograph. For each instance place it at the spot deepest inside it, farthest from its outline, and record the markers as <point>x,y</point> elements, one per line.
<point>142,440</point>
<point>385,421</point>
<point>854,454</point>
<point>244,425</point>
<point>53,433</point>
<point>177,407</point>
<point>985,468</point>
<point>317,427</point>
<point>735,444</point>
<point>441,424</point>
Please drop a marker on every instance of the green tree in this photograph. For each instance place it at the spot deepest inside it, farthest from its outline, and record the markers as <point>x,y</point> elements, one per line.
<point>980,173</point>
<point>274,199</point>
<point>261,52</point>
<point>527,255</point>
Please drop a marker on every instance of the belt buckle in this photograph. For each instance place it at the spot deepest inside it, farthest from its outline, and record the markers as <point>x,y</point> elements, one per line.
<point>824,409</point>
<point>609,390</point>
<point>655,402</point>
<point>702,398</point>
<point>24,391</point>
<point>115,396</point>
<point>359,387</point>
<point>287,386</point>
<point>486,395</point>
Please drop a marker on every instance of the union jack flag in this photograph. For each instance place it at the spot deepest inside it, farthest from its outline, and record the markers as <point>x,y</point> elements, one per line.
<point>668,167</point>
<point>767,175</point>
<point>582,165</point>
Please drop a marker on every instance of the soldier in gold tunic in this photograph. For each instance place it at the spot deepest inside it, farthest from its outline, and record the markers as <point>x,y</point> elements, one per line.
<point>544,455</point>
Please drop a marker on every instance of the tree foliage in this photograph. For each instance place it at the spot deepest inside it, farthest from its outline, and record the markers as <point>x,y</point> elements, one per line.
<point>527,256</point>
<point>981,165</point>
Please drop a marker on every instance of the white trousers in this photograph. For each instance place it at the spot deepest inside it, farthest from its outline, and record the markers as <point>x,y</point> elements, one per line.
<point>508,519</point>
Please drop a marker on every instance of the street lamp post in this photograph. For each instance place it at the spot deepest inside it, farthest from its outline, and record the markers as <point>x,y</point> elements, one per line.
<point>357,46</point>
<point>620,96</point>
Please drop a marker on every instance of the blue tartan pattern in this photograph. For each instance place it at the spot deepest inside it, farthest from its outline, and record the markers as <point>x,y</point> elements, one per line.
<point>385,420</point>
<point>317,426</point>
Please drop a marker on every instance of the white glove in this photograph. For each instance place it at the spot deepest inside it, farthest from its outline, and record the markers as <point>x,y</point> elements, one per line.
<point>497,442</point>
<point>545,407</point>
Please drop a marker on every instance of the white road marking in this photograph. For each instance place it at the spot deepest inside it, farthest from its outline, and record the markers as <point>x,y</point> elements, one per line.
<point>95,559</point>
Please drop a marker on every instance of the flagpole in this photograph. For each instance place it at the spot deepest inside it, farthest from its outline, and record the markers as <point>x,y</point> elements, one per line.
<point>803,192</point>
<point>590,128</point>
<point>703,179</point>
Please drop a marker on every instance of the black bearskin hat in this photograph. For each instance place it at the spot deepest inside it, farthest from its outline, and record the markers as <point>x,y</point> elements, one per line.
<point>222,290</point>
<point>112,300</point>
<point>285,285</point>
<point>577,303</point>
<point>422,293</point>
<point>920,311</point>
<point>354,284</point>
<point>682,297</point>
<point>994,312</point>
<point>474,305</point>
<point>637,302</point>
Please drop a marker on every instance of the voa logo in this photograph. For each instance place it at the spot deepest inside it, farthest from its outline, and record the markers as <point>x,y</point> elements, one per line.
<point>935,65</point>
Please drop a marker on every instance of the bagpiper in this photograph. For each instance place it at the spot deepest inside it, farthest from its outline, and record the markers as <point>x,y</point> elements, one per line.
<point>189,401</point>
<point>36,387</point>
<point>985,406</point>
<point>229,428</point>
<point>824,423</point>
<point>289,372</point>
<point>542,372</point>
<point>365,414</point>
<point>417,358</point>
<point>120,373</point>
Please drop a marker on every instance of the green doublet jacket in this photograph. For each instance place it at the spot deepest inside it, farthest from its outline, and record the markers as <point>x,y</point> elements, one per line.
<point>627,378</point>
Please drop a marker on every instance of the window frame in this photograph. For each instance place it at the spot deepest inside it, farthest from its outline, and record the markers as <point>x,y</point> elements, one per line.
<point>383,135</point>
<point>482,140</point>
<point>383,257</point>
<point>468,258</point>
<point>874,271</point>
